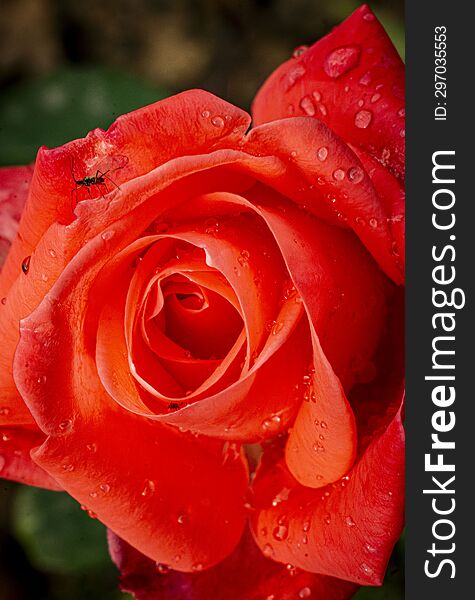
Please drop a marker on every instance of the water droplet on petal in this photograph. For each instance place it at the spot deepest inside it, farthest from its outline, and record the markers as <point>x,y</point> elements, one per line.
<point>366,569</point>
<point>401,112</point>
<point>306,526</point>
<point>327,519</point>
<point>162,568</point>
<point>373,223</point>
<point>107,235</point>
<point>341,60</point>
<point>322,153</point>
<point>402,133</point>
<point>4,301</point>
<point>375,98</point>
<point>323,425</point>
<point>181,519</point>
<point>25,265</point>
<point>68,468</point>
<point>294,75</point>
<point>355,174</point>
<point>371,549</point>
<point>299,51</point>
<point>281,532</point>
<point>217,122</point>
<point>363,119</point>
<point>339,174</point>
<point>323,109</point>
<point>91,447</point>
<point>277,328</point>
<point>105,488</point>
<point>305,592</point>
<point>272,423</point>
<point>349,521</point>
<point>205,114</point>
<point>317,95</point>
<point>368,17</point>
<point>267,550</point>
<point>52,253</point>
<point>307,106</point>
<point>65,425</point>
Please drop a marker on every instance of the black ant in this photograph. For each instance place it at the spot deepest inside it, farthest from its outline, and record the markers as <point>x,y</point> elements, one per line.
<point>99,179</point>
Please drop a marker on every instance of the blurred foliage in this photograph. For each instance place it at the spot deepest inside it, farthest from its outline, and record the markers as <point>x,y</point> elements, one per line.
<point>65,68</point>
<point>64,106</point>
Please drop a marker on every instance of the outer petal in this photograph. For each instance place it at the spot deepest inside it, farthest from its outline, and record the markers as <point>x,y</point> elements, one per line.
<point>14,183</point>
<point>352,80</point>
<point>244,575</point>
<point>15,462</point>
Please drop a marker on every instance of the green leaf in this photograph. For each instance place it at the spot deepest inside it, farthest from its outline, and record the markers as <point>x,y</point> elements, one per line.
<point>57,535</point>
<point>66,105</point>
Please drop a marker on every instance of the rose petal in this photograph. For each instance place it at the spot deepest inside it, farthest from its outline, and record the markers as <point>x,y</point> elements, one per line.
<point>245,575</point>
<point>353,81</point>
<point>16,444</point>
<point>346,529</point>
<point>14,184</point>
<point>163,503</point>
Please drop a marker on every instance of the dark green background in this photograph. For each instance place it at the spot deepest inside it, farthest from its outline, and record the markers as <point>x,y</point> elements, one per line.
<point>67,66</point>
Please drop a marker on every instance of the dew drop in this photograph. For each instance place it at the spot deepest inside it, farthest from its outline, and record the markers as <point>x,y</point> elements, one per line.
<point>44,277</point>
<point>327,519</point>
<point>108,235</point>
<point>319,447</point>
<point>366,569</point>
<point>341,60</point>
<point>368,17</point>
<point>91,447</point>
<point>323,425</point>
<point>281,532</point>
<point>162,568</point>
<point>306,526</point>
<point>205,114</point>
<point>373,223</point>
<point>41,379</point>
<point>365,79</point>
<point>65,425</point>
<point>402,133</point>
<point>181,519</point>
<point>371,549</point>
<point>401,112</point>
<point>363,119</point>
<point>243,258</point>
<point>375,98</point>
<point>25,265</point>
<point>267,550</point>
<point>4,301</point>
<point>305,539</point>
<point>355,174</point>
<point>93,494</point>
<point>217,122</point>
<point>272,423</point>
<point>305,592</point>
<point>323,109</point>
<point>68,468</point>
<point>316,94</point>
<point>322,153</point>
<point>349,521</point>
<point>307,106</point>
<point>277,328</point>
<point>149,488</point>
<point>105,488</point>
<point>294,75</point>
<point>299,51</point>
<point>339,174</point>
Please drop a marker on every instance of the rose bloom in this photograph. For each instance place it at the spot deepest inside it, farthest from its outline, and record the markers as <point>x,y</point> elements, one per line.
<point>201,329</point>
